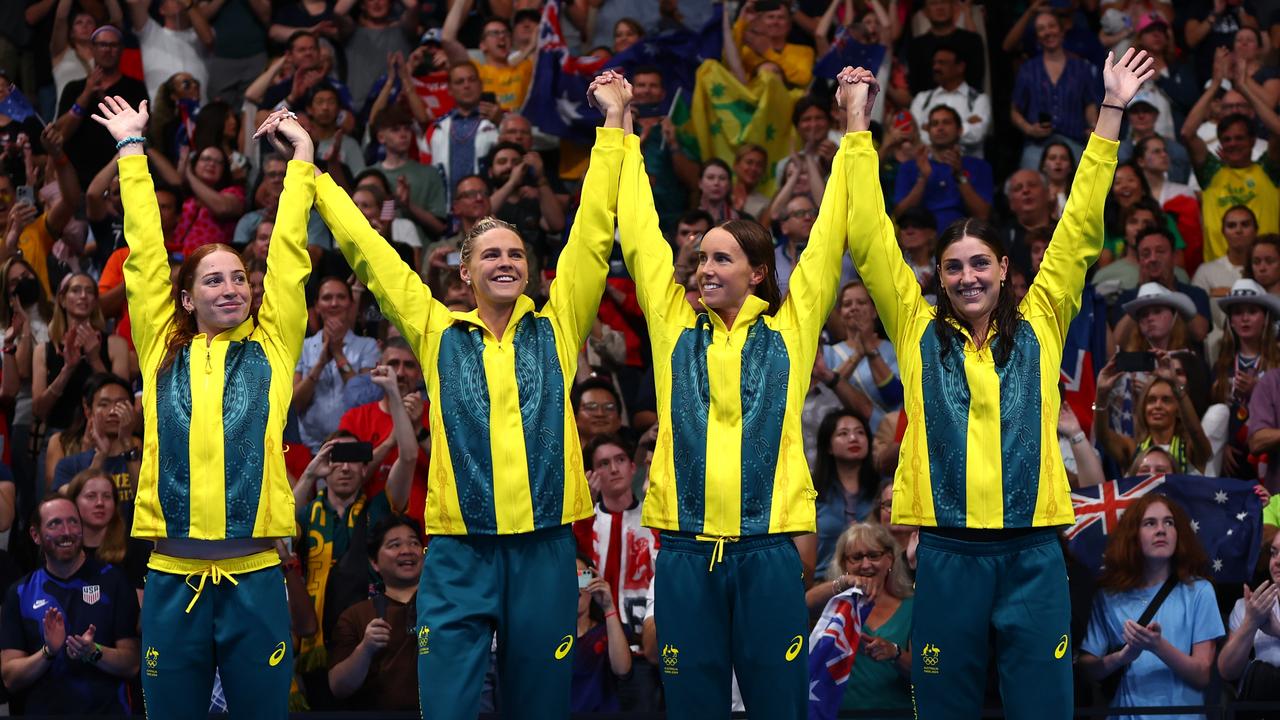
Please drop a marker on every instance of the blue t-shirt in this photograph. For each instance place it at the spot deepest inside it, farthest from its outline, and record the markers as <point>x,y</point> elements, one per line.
<point>1188,616</point>
<point>942,192</point>
<point>96,594</point>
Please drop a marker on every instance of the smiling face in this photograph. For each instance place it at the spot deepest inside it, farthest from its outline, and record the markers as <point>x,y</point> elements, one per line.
<point>497,268</point>
<point>209,165</point>
<point>1048,31</point>
<point>813,124</point>
<point>750,168</point>
<point>1237,144</point>
<point>869,560</point>
<point>495,39</point>
<point>59,535</point>
<point>624,36</point>
<point>724,274</point>
<point>1158,535</point>
<point>1161,409</point>
<point>1126,187</point>
<point>220,294</point>
<point>96,503</point>
<point>971,275</point>
<point>856,308</point>
<point>399,561</point>
<point>333,299</point>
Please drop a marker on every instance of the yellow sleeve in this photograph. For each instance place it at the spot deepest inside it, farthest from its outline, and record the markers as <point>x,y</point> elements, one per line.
<point>401,294</point>
<point>283,315</point>
<point>584,261</point>
<point>1077,240</point>
<point>146,270</point>
<point>873,243</point>
<point>813,285</point>
<point>645,250</point>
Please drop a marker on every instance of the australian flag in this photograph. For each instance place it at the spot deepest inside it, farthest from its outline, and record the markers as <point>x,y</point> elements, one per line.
<point>833,646</point>
<point>1083,355</point>
<point>16,106</point>
<point>557,100</point>
<point>677,53</point>
<point>845,50</point>
<point>1226,516</point>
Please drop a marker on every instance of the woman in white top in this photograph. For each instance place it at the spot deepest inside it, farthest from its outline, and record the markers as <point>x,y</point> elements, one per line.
<point>71,46</point>
<point>1255,623</point>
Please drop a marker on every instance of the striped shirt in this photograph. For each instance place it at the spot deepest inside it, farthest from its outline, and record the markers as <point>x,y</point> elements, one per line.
<point>1035,93</point>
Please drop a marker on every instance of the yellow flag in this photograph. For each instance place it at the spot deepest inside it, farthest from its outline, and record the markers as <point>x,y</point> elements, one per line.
<point>726,114</point>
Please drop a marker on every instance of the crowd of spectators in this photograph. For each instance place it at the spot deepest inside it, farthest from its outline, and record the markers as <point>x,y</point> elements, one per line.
<point>420,109</point>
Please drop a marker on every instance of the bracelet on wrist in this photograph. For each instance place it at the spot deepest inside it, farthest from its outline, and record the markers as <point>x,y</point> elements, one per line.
<point>131,140</point>
<point>611,613</point>
<point>1113,106</point>
<point>77,110</point>
<point>46,652</point>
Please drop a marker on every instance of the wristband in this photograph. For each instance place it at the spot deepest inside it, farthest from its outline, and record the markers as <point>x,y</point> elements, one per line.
<point>1113,107</point>
<point>77,110</point>
<point>46,652</point>
<point>131,140</point>
<point>93,656</point>
<point>611,613</point>
<point>1078,438</point>
<point>897,651</point>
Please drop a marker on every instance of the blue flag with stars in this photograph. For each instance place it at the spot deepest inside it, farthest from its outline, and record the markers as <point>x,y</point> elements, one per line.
<point>847,51</point>
<point>1226,515</point>
<point>557,100</point>
<point>677,53</point>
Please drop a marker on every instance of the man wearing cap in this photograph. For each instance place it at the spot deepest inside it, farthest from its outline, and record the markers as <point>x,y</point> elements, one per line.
<point>89,145</point>
<point>1231,176</point>
<point>951,90</point>
<point>1154,248</point>
<point>1145,120</point>
<point>1216,277</point>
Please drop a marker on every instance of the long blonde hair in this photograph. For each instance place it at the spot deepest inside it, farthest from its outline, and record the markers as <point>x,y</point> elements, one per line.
<point>1224,369</point>
<point>59,325</point>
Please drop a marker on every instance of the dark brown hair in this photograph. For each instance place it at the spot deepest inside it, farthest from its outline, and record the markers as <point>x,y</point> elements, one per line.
<point>757,243</point>
<point>1005,317</point>
<point>1123,563</point>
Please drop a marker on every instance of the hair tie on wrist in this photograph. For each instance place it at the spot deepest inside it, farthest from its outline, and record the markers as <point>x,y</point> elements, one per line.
<point>1114,107</point>
<point>132,140</point>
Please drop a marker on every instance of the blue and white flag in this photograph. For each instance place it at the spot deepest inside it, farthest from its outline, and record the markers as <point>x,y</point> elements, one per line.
<point>1226,515</point>
<point>557,100</point>
<point>833,647</point>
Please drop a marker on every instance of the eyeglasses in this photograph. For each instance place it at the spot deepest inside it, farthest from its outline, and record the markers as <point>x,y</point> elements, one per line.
<point>496,33</point>
<point>872,555</point>
<point>106,45</point>
<point>471,194</point>
<point>598,406</point>
<point>810,213</point>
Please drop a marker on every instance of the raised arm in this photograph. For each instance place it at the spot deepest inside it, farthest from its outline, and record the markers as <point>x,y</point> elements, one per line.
<point>404,299</point>
<point>584,262</point>
<point>146,271</point>
<point>402,429</point>
<point>283,315</point>
<point>817,275</point>
<point>873,243</point>
<point>644,249</point>
<point>1077,240</point>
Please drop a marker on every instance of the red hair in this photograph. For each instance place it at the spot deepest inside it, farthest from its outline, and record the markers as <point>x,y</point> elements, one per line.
<point>182,329</point>
<point>1123,562</point>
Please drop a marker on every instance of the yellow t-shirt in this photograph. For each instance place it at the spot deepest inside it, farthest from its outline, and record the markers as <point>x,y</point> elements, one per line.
<point>1253,186</point>
<point>508,84</point>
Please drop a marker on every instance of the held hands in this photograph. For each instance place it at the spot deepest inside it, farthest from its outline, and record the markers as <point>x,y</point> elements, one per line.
<point>122,121</point>
<point>879,649</point>
<point>282,130</point>
<point>1122,79</point>
<point>856,93</point>
<point>611,94</point>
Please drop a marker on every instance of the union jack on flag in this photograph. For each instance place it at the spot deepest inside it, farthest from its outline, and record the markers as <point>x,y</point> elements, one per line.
<point>1109,505</point>
<point>833,647</point>
<point>557,100</point>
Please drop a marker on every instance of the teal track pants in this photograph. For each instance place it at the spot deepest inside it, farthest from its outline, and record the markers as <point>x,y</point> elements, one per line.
<point>240,629</point>
<point>743,613</point>
<point>525,588</point>
<point>964,590</point>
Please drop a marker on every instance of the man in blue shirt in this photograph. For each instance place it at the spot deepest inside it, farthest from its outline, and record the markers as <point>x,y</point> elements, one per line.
<point>68,630</point>
<point>945,182</point>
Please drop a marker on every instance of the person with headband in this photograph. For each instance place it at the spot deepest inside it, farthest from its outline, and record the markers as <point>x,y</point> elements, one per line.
<point>506,476</point>
<point>980,470</point>
<point>212,489</point>
<point>729,479</point>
